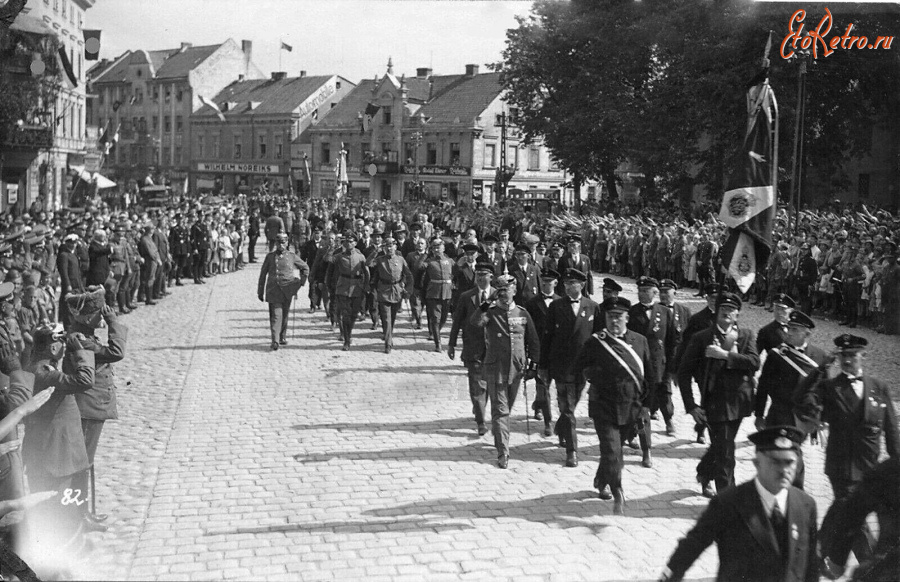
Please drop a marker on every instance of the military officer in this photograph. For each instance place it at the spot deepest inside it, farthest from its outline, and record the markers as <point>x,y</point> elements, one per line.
<point>473,339</point>
<point>180,247</point>
<point>723,360</point>
<point>278,285</point>
<point>199,248</point>
<point>537,308</point>
<point>510,341</point>
<point>391,282</point>
<point>615,362</point>
<point>765,529</point>
<point>771,335</point>
<point>416,261</point>
<point>437,286</point>
<point>350,277</point>
<point>525,273</point>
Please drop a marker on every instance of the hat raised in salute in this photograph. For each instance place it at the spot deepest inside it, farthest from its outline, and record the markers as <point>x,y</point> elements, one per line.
<point>612,285</point>
<point>800,319</point>
<point>777,438</point>
<point>850,343</point>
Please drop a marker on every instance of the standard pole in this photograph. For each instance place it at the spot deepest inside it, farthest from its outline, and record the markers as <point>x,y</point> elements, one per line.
<point>794,205</point>
<point>802,132</point>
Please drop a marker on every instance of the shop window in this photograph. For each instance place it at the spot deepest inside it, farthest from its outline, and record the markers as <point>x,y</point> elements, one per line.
<point>263,147</point>
<point>534,158</point>
<point>454,154</point>
<point>237,148</point>
<point>326,153</point>
<point>431,158</point>
<point>489,152</point>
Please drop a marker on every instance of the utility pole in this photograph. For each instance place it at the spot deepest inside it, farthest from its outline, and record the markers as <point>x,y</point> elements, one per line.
<point>504,173</point>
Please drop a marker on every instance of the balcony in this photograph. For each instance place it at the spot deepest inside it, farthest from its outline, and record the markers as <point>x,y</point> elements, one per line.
<point>29,137</point>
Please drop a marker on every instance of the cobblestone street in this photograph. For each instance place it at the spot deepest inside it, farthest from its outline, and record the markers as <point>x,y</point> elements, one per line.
<point>309,463</point>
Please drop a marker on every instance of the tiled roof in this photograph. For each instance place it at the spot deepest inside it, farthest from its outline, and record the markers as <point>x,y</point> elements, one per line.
<point>180,63</point>
<point>282,96</point>
<point>461,98</point>
<point>346,112</point>
<point>168,64</point>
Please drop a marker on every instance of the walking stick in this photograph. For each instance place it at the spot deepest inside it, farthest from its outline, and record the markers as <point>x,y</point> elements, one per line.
<point>527,415</point>
<point>294,315</point>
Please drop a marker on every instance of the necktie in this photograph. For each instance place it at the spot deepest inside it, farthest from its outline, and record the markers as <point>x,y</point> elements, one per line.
<point>548,297</point>
<point>779,525</point>
<point>483,297</point>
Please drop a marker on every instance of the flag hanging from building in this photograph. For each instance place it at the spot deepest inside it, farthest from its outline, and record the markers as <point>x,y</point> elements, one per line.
<point>286,47</point>
<point>215,107</point>
<point>108,141</point>
<point>749,204</point>
<point>65,65</point>
<point>91,44</point>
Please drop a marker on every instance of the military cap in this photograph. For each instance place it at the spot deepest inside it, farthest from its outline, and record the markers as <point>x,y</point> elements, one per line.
<point>504,281</point>
<point>549,274</point>
<point>542,245</point>
<point>647,282</point>
<point>436,241</point>
<point>470,248</point>
<point>504,231</point>
<point>48,333</point>
<point>778,438</point>
<point>415,226</point>
<point>727,299</point>
<point>481,266</point>
<point>490,239</point>
<point>6,290</point>
<point>377,232</point>
<point>849,343</point>
<point>521,248</point>
<point>612,285</point>
<point>389,240</point>
<point>617,304</point>
<point>350,235</point>
<point>712,289</point>
<point>668,284</point>
<point>71,237</point>
<point>799,318</point>
<point>397,232</point>
<point>574,274</point>
<point>556,245</point>
<point>282,236</point>
<point>784,299</point>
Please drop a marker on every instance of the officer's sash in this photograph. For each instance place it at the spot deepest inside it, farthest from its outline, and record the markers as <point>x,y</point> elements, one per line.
<point>624,355</point>
<point>796,359</point>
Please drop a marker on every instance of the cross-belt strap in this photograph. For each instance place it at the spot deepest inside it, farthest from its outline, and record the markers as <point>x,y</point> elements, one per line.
<point>606,339</point>
<point>788,353</point>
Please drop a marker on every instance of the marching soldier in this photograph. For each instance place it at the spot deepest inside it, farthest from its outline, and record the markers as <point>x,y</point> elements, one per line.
<point>723,360</point>
<point>180,246</point>
<point>350,277</point>
<point>510,341</point>
<point>391,280</point>
<point>614,361</point>
<point>537,308</point>
<point>278,285</point>
<point>473,339</point>
<point>416,261</point>
<point>437,287</point>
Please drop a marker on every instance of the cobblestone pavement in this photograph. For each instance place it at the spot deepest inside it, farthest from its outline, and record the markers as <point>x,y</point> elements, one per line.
<point>234,462</point>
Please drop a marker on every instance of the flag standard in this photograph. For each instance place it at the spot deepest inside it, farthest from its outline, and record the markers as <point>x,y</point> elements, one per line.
<point>749,203</point>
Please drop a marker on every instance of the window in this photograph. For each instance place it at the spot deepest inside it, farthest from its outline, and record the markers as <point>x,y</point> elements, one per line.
<point>156,92</point>
<point>279,149</point>
<point>365,150</point>
<point>134,155</point>
<point>431,157</point>
<point>179,93</point>
<point>138,95</point>
<point>337,85</point>
<point>101,96</point>
<point>134,124</point>
<point>142,125</point>
<point>534,158</point>
<point>511,153</point>
<point>179,123</point>
<point>863,187</point>
<point>489,151</point>
<point>72,16</point>
<point>178,158</point>
<point>554,164</point>
<point>168,93</point>
<point>155,123</point>
<point>167,124</point>
<point>237,147</point>
<point>387,115</point>
<point>263,149</point>
<point>454,154</point>
<point>199,146</point>
<point>326,153</point>
<point>64,9</point>
<point>215,146</point>
<point>409,154</point>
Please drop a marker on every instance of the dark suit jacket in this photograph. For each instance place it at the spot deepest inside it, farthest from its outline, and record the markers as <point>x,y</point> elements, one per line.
<point>726,386</point>
<point>780,379</point>
<point>565,335</point>
<point>657,327</point>
<point>472,335</point>
<point>769,337</point>
<point>681,317</point>
<point>614,397</point>
<point>527,285</point>
<point>537,308</point>
<point>748,551</point>
<point>583,265</point>
<point>69,272</point>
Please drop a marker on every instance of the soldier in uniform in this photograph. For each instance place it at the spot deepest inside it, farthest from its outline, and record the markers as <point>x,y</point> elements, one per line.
<point>771,335</point>
<point>614,361</point>
<point>180,247</point>
<point>510,341</point>
<point>350,278</point>
<point>765,529</point>
<point>571,320</point>
<point>723,360</point>
<point>278,285</point>
<point>473,339</point>
<point>525,273</point>
<point>537,308</point>
<point>437,283</point>
<point>416,261</point>
<point>199,248</point>
<point>391,282</point>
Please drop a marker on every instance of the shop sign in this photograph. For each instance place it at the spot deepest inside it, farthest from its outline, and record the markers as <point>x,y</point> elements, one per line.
<point>316,100</point>
<point>12,192</point>
<point>438,170</point>
<point>228,168</point>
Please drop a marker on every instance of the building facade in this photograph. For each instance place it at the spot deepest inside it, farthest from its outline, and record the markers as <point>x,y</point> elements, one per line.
<point>37,155</point>
<point>147,99</point>
<point>435,137</point>
<point>251,148</point>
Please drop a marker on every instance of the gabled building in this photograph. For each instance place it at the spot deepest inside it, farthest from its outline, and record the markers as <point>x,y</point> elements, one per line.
<point>251,148</point>
<point>430,136</point>
<point>149,96</point>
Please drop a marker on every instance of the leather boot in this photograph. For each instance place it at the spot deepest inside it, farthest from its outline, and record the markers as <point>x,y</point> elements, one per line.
<point>618,501</point>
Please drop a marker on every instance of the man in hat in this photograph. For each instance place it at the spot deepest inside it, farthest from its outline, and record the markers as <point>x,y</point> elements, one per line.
<point>464,272</point>
<point>437,288</point>
<point>807,277</point>
<point>706,253</point>
<point>70,280</point>
<point>391,282</point>
<point>350,277</point>
<point>853,277</point>
<point>308,253</point>
<point>472,355</point>
<point>199,248</point>
<point>772,335</point>
<point>152,262</point>
<point>538,307</point>
<point>492,255</point>
<point>411,244</point>
<point>765,529</point>
<point>575,259</point>
<point>180,247</point>
<point>525,273</point>
<point>510,342</point>
<point>615,362</point>
<point>680,315</point>
<point>278,285</point>
<point>97,404</point>
<point>654,322</point>
<point>274,225</point>
<point>571,320</point>
<point>252,233</point>
<point>416,261</point>
<point>722,359</point>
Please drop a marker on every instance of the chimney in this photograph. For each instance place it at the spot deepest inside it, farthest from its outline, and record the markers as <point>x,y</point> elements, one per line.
<point>185,46</point>
<point>302,74</point>
<point>423,72</point>
<point>278,75</point>
<point>471,70</point>
<point>247,49</point>
<point>240,78</point>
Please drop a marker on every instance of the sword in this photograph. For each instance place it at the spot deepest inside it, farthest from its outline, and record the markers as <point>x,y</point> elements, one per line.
<point>527,415</point>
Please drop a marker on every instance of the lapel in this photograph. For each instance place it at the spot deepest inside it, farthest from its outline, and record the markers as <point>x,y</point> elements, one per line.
<point>867,399</point>
<point>796,520</point>
<point>750,507</point>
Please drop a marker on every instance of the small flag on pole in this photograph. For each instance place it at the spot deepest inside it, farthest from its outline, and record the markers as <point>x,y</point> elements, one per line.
<point>215,107</point>
<point>286,47</point>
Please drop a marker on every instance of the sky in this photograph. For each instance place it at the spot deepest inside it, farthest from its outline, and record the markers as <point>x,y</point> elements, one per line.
<point>351,38</point>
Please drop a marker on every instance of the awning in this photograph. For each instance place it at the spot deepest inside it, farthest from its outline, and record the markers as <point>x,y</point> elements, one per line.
<point>26,23</point>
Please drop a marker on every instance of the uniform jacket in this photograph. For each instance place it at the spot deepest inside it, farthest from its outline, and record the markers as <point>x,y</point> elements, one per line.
<point>179,241</point>
<point>162,245</point>
<point>510,340</point>
<point>472,334</point>
<point>391,278</point>
<point>148,250</point>
<point>274,225</point>
<point>583,264</point>
<point>615,395</point>
<point>277,279</point>
<point>737,522</point>
<point>726,386</point>
<point>782,373</point>
<point>118,260</point>
<point>199,237</point>
<point>416,263</point>
<point>53,437</point>
<point>348,274</point>
<point>99,401</point>
<point>680,317</point>
<point>253,226</point>
<point>770,336</point>
<point>19,391</point>
<point>526,277</point>
<point>656,326</point>
<point>566,334</point>
<point>437,278</point>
